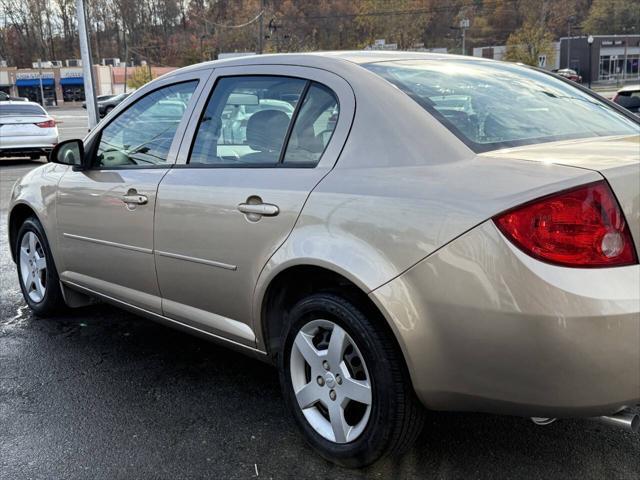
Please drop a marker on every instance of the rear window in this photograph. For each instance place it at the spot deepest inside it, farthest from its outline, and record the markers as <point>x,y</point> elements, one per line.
<point>25,110</point>
<point>496,105</point>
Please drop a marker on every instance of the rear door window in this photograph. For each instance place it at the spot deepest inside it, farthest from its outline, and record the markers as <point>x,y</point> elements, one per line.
<point>265,121</point>
<point>246,121</point>
<point>313,127</point>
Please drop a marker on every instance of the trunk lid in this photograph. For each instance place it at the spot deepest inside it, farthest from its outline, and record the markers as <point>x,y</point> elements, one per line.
<point>616,158</point>
<point>21,126</point>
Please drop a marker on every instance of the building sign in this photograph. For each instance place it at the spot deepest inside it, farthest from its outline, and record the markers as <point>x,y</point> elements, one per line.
<point>608,43</point>
<point>32,75</point>
<point>75,73</point>
<point>542,61</point>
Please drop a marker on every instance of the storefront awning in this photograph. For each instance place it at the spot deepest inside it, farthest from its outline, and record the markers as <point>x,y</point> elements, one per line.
<point>34,82</point>
<point>72,81</point>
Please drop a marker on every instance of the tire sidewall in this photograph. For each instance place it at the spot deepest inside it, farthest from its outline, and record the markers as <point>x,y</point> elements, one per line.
<point>51,298</point>
<point>369,446</point>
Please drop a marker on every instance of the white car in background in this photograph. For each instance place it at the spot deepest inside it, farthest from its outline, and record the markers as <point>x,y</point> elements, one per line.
<point>26,130</point>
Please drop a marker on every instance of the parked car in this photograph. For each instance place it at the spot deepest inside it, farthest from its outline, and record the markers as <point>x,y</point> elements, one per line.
<point>105,105</point>
<point>99,98</point>
<point>6,97</point>
<point>387,248</point>
<point>26,130</point>
<point>629,98</point>
<point>570,74</point>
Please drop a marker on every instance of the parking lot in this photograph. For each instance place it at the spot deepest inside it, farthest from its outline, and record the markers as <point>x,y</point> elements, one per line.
<point>101,393</point>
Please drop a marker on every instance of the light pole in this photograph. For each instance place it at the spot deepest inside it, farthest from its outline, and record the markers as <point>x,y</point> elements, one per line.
<point>590,42</point>
<point>87,66</point>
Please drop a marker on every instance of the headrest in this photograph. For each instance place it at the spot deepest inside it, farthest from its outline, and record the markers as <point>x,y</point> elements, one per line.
<point>266,130</point>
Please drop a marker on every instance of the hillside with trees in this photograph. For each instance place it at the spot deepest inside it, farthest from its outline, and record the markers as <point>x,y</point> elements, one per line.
<point>180,32</point>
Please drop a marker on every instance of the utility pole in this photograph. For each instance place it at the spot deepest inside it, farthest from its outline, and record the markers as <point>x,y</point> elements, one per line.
<point>87,66</point>
<point>464,24</point>
<point>570,20</point>
<point>148,63</point>
<point>40,77</point>
<point>624,65</point>
<point>590,43</point>
<point>126,61</point>
<point>261,33</point>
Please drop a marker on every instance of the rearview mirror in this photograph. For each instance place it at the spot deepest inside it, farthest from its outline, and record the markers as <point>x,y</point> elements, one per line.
<point>69,152</point>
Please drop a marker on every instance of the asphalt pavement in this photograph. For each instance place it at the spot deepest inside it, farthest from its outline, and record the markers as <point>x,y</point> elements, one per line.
<point>99,393</point>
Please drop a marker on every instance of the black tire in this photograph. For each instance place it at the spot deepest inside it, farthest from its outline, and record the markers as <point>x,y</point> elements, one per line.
<point>52,301</point>
<point>396,416</point>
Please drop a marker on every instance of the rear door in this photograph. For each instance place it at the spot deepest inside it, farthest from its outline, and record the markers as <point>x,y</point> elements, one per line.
<point>105,214</point>
<point>266,136</point>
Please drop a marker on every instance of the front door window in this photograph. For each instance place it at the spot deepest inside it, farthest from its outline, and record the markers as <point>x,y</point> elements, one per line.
<point>141,136</point>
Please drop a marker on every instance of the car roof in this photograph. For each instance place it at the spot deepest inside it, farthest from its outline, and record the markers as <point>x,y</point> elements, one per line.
<point>326,59</point>
<point>630,88</point>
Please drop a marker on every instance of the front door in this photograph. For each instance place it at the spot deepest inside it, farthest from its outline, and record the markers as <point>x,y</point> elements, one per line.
<point>105,213</point>
<point>266,137</point>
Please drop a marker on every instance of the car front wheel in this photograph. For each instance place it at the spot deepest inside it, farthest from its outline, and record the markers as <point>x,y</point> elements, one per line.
<point>344,380</point>
<point>36,270</point>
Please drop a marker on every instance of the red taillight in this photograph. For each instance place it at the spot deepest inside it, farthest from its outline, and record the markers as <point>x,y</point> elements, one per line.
<point>46,124</point>
<point>581,227</point>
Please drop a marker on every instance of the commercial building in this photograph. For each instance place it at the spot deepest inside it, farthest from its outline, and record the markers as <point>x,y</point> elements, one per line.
<point>65,85</point>
<point>499,52</point>
<point>614,58</point>
<point>607,59</point>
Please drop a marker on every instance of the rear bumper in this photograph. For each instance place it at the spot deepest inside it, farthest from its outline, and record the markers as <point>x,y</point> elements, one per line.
<point>25,151</point>
<point>484,327</point>
<point>27,145</point>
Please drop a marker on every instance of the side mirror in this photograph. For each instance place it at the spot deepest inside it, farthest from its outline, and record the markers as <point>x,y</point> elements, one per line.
<point>69,152</point>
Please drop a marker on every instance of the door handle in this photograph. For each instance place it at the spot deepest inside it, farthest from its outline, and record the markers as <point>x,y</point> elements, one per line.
<point>133,198</point>
<point>254,209</point>
<point>262,209</point>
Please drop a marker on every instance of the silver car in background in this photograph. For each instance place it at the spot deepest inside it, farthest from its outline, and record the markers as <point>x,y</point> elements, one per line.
<point>26,130</point>
<point>411,230</point>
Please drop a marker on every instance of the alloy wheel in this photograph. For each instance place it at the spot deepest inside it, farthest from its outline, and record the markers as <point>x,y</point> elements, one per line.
<point>33,267</point>
<point>331,381</point>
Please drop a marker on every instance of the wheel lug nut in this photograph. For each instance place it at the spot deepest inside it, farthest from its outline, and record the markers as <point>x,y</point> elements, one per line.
<point>339,379</point>
<point>332,394</point>
<point>320,381</point>
<point>325,365</point>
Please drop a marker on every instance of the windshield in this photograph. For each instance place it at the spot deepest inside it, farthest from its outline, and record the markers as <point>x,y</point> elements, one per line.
<point>496,105</point>
<point>19,110</point>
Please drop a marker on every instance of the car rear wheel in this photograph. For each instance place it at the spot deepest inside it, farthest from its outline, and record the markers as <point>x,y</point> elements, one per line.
<point>37,273</point>
<point>345,383</point>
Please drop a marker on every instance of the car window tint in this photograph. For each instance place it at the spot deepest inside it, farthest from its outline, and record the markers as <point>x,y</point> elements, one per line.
<point>142,134</point>
<point>246,121</point>
<point>313,127</point>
